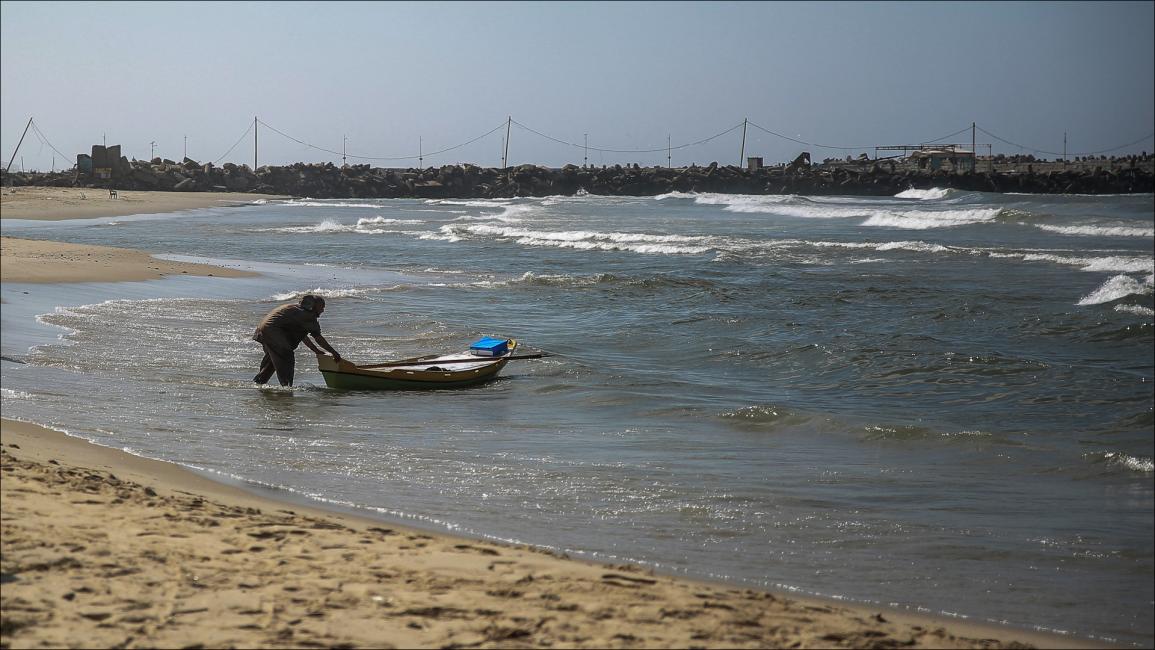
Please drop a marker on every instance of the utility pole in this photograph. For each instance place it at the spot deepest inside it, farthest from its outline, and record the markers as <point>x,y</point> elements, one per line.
<point>742,155</point>
<point>669,152</point>
<point>586,151</point>
<point>254,143</point>
<point>420,153</point>
<point>152,150</point>
<point>18,146</point>
<point>344,141</point>
<point>186,146</point>
<point>1064,147</point>
<point>974,152</point>
<point>505,154</point>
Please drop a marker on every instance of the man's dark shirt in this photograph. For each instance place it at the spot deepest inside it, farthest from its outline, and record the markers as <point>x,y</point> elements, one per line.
<point>286,326</point>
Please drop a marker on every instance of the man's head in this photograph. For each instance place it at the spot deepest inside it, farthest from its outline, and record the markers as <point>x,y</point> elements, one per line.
<point>315,304</point>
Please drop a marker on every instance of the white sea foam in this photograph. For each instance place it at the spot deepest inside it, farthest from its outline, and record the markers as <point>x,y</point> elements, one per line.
<point>1099,231</point>
<point>916,246</point>
<point>477,203</point>
<point>307,203</point>
<point>1133,463</point>
<point>1138,310</point>
<point>370,221</point>
<point>333,293</point>
<point>8,393</point>
<point>1115,288</point>
<point>924,195</point>
<point>925,219</point>
<point>583,239</point>
<point>1116,264</point>
<point>364,225</point>
<point>804,208</point>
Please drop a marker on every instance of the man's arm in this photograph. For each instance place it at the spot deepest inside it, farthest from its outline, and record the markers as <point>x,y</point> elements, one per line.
<point>325,344</point>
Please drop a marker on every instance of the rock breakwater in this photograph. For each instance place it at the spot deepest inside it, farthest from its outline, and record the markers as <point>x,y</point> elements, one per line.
<point>470,181</point>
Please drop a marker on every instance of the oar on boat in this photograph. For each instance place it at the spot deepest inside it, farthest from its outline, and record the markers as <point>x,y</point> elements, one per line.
<point>442,362</point>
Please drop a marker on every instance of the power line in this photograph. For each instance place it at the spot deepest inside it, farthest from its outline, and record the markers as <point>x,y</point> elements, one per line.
<point>1055,153</point>
<point>44,139</point>
<point>666,148</point>
<point>962,130</point>
<point>234,144</point>
<point>417,157</point>
<point>809,144</point>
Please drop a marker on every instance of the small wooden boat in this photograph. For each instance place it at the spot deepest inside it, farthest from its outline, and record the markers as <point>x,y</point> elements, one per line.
<point>447,371</point>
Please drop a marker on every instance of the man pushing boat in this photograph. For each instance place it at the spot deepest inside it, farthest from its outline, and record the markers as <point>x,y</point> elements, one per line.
<point>282,330</point>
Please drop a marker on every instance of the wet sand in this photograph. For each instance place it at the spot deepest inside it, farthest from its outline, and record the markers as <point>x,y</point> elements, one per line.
<point>103,549</point>
<point>27,260</point>
<point>23,260</point>
<point>52,203</point>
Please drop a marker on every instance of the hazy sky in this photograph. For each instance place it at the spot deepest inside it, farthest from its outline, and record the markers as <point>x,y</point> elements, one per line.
<point>395,76</point>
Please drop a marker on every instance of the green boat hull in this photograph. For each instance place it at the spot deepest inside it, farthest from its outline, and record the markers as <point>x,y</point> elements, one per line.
<point>351,381</point>
<point>422,373</point>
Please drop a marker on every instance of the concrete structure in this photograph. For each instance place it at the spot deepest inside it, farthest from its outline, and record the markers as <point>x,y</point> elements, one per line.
<point>948,158</point>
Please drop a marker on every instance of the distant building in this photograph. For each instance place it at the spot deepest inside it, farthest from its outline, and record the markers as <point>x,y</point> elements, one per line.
<point>754,163</point>
<point>949,158</point>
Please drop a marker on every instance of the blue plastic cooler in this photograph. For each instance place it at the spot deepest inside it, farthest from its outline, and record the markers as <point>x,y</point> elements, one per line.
<point>489,347</point>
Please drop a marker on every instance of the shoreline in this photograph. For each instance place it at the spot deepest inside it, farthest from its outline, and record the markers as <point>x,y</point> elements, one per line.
<point>102,545</point>
<point>432,589</point>
<point>60,203</point>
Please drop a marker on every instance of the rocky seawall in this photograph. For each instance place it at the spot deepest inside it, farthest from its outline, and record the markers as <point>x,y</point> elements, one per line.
<point>469,181</point>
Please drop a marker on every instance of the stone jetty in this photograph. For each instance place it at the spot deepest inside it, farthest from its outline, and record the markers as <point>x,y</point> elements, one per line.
<point>1123,176</point>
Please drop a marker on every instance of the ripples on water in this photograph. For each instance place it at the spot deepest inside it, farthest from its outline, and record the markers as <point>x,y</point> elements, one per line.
<point>939,400</point>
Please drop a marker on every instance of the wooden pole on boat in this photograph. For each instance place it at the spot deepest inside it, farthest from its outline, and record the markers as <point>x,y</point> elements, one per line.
<point>443,362</point>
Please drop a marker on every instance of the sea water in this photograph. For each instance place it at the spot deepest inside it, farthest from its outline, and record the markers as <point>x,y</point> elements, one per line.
<point>939,401</point>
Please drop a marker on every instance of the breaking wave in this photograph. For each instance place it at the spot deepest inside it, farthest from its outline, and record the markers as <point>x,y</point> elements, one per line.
<point>584,239</point>
<point>1119,286</point>
<point>808,208</point>
<point>916,246</point>
<point>321,203</point>
<point>472,203</point>
<point>924,195</point>
<point>364,225</point>
<point>1123,461</point>
<point>925,219</point>
<point>1099,231</point>
<point>359,292</point>
<point>1117,264</point>
<point>1138,310</point>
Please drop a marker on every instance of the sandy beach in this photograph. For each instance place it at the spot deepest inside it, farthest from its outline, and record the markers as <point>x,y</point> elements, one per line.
<point>51,203</point>
<point>105,549</point>
<point>26,260</point>
<point>44,261</point>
